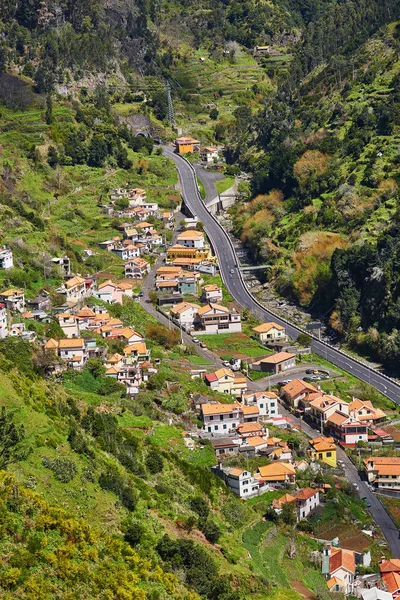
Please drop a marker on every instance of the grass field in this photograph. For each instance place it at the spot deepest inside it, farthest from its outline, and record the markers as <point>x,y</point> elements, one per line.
<point>234,345</point>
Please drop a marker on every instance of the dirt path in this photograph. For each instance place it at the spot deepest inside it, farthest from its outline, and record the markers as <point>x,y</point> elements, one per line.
<point>301,589</point>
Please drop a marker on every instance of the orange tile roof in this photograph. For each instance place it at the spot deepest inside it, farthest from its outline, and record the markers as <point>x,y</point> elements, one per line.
<point>51,344</point>
<point>236,472</point>
<point>190,234</point>
<point>112,371</point>
<point>297,386</point>
<point>333,581</point>
<point>74,281</point>
<point>212,287</point>
<point>389,565</point>
<point>137,346</point>
<point>12,292</point>
<point>249,410</point>
<point>285,499</point>
<point>306,493</point>
<point>248,427</point>
<point>86,312</point>
<point>276,470</point>
<point>265,327</point>
<point>392,581</point>
<point>208,307</point>
<point>277,358</point>
<point>72,343</point>
<point>182,306</point>
<point>217,409</point>
<point>337,418</point>
<point>224,372</point>
<point>341,558</point>
<point>323,444</point>
<point>256,440</point>
<point>143,225</point>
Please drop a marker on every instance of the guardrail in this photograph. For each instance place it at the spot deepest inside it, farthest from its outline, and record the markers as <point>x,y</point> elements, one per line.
<point>276,315</point>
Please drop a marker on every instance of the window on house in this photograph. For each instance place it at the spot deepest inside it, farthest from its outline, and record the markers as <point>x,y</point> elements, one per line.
<point>272,412</point>
<point>211,418</point>
<point>209,429</point>
<point>215,427</point>
<point>221,417</point>
<point>224,426</point>
<point>245,491</point>
<point>329,454</point>
<point>261,405</point>
<point>233,425</point>
<point>245,482</point>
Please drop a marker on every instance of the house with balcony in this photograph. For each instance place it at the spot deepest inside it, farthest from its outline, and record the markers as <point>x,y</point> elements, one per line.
<point>191,238</point>
<point>226,382</point>
<point>215,318</point>
<point>323,449</point>
<point>73,351</point>
<point>136,352</point>
<point>185,284</point>
<point>209,154</point>
<point>179,251</point>
<point>305,502</point>
<point>69,324</point>
<point>211,293</point>
<point>13,299</point>
<point>296,390</point>
<point>276,474</point>
<point>365,412</point>
<point>185,313</point>
<point>239,481</point>
<point>383,472</point>
<point>113,293</point>
<point>6,258</point>
<point>64,265</point>
<point>75,289</point>
<point>126,251</point>
<point>137,268</point>
<point>220,419</point>
<point>324,407</point>
<point>3,322</point>
<point>347,430</point>
<point>266,402</point>
<point>339,568</point>
<point>270,332</point>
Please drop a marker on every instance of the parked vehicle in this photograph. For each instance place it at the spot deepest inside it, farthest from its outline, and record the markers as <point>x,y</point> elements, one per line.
<point>367,502</point>
<point>195,340</point>
<point>203,345</point>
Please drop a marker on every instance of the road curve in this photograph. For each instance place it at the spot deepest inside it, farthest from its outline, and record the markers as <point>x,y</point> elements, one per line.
<point>235,284</point>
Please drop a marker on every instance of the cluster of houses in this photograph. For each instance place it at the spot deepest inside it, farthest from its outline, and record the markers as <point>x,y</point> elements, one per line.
<point>131,367</point>
<point>349,423</point>
<point>339,568</point>
<point>188,145</point>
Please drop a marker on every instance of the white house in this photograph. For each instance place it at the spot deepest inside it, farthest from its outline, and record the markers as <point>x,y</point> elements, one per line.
<point>75,289</point>
<point>13,299</point>
<point>339,567</point>
<point>242,483</point>
<point>209,154</point>
<point>6,258</point>
<point>73,351</point>
<point>191,239</point>
<point>137,268</point>
<point>69,324</point>
<point>307,500</point>
<point>220,418</point>
<point>211,293</point>
<point>215,318</point>
<point>267,403</point>
<point>270,332</point>
<point>127,252</point>
<point>185,313</point>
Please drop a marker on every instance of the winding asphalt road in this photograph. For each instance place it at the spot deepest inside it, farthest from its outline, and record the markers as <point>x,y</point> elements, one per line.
<point>234,282</point>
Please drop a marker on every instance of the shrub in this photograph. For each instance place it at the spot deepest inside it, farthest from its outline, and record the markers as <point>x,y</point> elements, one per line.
<point>113,482</point>
<point>133,531</point>
<point>64,469</point>
<point>210,530</point>
<point>154,462</point>
<point>200,506</point>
